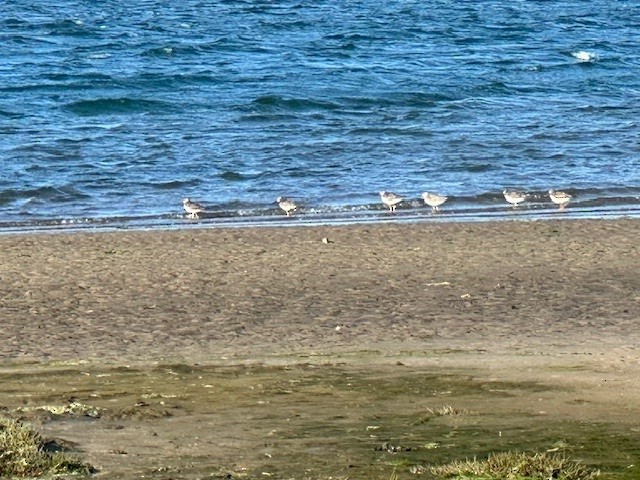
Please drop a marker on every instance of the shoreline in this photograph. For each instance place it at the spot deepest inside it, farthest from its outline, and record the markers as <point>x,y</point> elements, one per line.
<point>224,220</point>
<point>614,201</point>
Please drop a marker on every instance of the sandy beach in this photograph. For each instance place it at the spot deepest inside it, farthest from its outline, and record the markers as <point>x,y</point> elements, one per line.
<point>199,295</point>
<point>556,302</point>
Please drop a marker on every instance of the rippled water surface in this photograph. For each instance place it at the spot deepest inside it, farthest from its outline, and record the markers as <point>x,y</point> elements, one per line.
<point>112,112</point>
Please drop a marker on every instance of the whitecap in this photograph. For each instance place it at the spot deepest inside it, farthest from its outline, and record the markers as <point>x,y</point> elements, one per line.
<point>584,56</point>
<point>108,126</point>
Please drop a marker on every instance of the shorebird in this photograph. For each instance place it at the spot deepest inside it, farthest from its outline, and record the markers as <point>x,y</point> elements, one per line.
<point>559,198</point>
<point>192,208</point>
<point>434,200</point>
<point>514,197</point>
<point>287,205</point>
<point>390,199</point>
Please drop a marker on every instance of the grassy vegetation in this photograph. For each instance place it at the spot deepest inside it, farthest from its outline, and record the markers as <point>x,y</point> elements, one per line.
<point>517,466</point>
<point>24,454</point>
<point>439,412</point>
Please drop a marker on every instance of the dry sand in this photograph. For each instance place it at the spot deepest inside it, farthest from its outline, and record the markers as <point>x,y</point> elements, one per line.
<point>556,302</point>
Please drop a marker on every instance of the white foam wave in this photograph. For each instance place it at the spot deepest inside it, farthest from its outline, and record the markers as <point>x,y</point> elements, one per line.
<point>584,56</point>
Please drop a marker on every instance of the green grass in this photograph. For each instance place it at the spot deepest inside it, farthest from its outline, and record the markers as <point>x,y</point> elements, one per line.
<point>25,454</point>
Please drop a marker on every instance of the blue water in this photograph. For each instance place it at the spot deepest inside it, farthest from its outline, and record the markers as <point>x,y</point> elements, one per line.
<point>112,112</point>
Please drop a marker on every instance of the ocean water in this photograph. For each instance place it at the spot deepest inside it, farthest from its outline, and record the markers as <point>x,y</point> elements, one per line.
<point>112,112</point>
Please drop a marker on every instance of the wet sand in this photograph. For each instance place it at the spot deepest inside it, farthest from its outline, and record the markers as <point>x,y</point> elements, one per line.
<point>200,295</point>
<point>555,303</point>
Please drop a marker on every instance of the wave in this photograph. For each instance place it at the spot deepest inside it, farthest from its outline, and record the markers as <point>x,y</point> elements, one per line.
<point>61,83</point>
<point>171,50</point>
<point>172,80</point>
<point>117,106</point>
<point>175,184</point>
<point>42,195</point>
<point>585,56</point>
<point>280,103</point>
<point>398,99</point>
<point>11,115</point>
<point>231,176</point>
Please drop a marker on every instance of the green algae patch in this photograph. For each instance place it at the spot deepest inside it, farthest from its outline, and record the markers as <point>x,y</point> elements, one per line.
<point>308,421</point>
<point>71,408</point>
